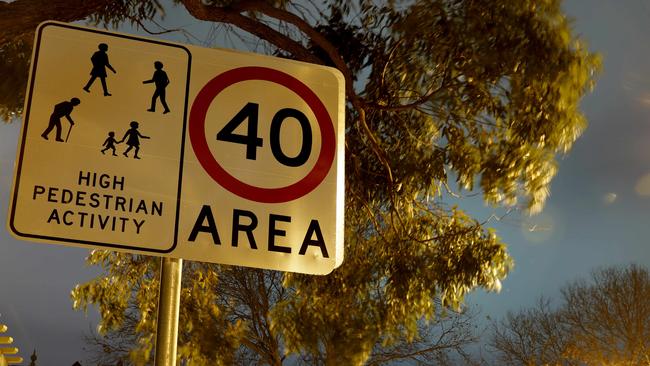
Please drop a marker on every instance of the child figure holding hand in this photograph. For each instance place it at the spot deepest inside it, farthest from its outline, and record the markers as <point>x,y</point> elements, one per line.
<point>110,143</point>
<point>132,137</point>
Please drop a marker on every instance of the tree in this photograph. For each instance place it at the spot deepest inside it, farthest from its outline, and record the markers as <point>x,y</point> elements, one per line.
<point>603,321</point>
<point>531,337</point>
<point>247,296</point>
<point>444,341</point>
<point>484,93</point>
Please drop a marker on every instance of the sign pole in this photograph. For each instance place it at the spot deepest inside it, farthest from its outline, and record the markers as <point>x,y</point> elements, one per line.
<point>171,270</point>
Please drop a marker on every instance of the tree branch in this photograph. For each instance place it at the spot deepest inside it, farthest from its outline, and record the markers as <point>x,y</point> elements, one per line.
<point>308,30</point>
<point>233,16</point>
<point>19,19</point>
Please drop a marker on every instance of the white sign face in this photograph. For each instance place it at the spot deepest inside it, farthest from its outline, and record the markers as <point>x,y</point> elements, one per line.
<point>157,148</point>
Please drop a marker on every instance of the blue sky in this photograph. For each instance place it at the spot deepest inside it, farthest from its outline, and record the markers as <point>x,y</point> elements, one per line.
<point>599,208</point>
<point>598,213</point>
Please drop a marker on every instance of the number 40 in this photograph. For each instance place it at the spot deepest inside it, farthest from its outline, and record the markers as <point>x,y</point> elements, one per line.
<point>253,141</point>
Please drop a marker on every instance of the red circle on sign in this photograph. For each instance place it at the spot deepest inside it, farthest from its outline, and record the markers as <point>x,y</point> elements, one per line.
<point>266,195</point>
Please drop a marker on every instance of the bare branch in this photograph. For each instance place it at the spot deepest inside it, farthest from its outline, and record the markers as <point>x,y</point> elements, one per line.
<point>233,16</point>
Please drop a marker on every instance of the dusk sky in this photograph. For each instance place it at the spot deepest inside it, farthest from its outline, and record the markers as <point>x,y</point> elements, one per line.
<point>598,213</point>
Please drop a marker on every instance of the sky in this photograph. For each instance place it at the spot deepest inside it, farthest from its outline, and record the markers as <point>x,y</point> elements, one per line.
<point>599,208</point>
<point>597,214</point>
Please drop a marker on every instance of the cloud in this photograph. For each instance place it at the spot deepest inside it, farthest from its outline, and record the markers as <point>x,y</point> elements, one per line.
<point>610,198</point>
<point>642,187</point>
<point>540,228</point>
<point>644,100</point>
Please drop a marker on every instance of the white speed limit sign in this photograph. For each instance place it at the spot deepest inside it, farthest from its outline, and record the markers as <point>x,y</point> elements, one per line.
<point>268,137</point>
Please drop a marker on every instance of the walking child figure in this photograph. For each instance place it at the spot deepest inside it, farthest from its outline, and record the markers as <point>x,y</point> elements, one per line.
<point>110,143</point>
<point>161,81</point>
<point>132,137</point>
<point>100,63</point>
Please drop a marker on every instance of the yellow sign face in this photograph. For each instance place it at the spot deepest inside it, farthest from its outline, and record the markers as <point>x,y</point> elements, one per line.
<point>157,148</point>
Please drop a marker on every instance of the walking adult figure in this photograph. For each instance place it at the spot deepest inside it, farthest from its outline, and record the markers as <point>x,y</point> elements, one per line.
<point>100,63</point>
<point>161,81</point>
<point>62,109</point>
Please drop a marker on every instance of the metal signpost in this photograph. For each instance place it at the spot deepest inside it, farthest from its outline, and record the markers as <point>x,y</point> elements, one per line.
<point>180,152</point>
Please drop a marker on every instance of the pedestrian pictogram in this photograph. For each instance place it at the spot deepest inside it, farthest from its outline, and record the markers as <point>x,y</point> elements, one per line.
<point>109,143</point>
<point>161,81</point>
<point>201,154</point>
<point>63,109</point>
<point>132,137</point>
<point>100,63</point>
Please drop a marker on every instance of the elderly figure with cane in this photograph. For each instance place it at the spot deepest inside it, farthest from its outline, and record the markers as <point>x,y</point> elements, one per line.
<point>62,109</point>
